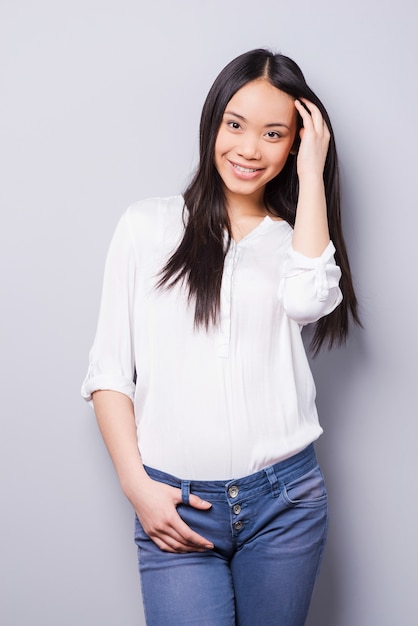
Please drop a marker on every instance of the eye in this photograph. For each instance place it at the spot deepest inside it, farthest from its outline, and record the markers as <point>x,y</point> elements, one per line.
<point>234,125</point>
<point>273,134</point>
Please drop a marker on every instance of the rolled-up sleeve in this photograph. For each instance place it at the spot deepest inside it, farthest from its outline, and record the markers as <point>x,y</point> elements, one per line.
<point>111,359</point>
<point>310,286</point>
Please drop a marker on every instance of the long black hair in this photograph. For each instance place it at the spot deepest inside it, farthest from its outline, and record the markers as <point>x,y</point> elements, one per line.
<point>199,258</point>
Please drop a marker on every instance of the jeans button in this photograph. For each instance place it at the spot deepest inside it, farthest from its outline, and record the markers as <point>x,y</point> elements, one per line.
<point>236,508</point>
<point>233,491</point>
<point>238,525</point>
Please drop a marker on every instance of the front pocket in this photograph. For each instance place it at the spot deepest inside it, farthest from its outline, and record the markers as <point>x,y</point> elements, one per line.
<point>308,489</point>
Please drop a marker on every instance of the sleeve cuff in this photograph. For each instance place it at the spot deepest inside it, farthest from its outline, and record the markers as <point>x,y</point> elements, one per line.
<point>298,262</point>
<point>108,383</point>
<point>310,286</point>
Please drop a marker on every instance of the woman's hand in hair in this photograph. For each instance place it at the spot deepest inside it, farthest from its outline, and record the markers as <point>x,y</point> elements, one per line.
<point>311,233</point>
<point>314,143</point>
<point>155,506</point>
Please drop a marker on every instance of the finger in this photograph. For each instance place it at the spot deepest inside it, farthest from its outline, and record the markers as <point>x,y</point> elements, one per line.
<point>189,537</point>
<point>310,107</point>
<point>305,114</point>
<point>310,112</point>
<point>168,544</point>
<point>198,503</point>
<point>173,541</point>
<point>176,534</point>
<point>178,548</point>
<point>179,538</point>
<point>302,108</point>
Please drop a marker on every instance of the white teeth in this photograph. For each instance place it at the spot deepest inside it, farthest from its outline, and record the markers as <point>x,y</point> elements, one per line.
<point>246,170</point>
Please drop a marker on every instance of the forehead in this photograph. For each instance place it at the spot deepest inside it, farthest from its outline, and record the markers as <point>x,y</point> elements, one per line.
<point>259,98</point>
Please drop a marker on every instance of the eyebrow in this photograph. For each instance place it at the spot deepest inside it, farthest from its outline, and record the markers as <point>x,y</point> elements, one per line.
<point>241,117</point>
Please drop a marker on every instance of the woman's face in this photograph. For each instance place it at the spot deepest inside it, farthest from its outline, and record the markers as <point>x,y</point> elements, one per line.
<point>254,140</point>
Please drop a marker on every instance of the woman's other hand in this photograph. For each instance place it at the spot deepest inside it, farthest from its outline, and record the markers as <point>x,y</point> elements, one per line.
<point>156,507</point>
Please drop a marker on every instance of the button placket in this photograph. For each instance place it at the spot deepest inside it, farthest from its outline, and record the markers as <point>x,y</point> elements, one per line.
<point>233,492</point>
<point>226,300</point>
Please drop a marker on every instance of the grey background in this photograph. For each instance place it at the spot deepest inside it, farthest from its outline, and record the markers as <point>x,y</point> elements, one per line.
<point>99,107</point>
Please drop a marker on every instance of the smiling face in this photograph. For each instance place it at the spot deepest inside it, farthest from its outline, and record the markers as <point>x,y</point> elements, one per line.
<point>254,140</point>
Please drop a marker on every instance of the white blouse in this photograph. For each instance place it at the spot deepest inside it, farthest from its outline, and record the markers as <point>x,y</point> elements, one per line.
<point>223,403</point>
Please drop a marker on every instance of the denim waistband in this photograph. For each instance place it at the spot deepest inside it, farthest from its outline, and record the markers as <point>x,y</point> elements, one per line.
<point>272,476</point>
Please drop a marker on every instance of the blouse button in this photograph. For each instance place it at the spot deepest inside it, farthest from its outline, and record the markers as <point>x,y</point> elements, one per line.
<point>236,508</point>
<point>238,525</point>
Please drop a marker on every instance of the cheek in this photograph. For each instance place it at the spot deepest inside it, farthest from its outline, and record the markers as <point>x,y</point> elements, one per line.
<point>220,145</point>
<point>216,157</point>
<point>220,150</point>
<point>280,159</point>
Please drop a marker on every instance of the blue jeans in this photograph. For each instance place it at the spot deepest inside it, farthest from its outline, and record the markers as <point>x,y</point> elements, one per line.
<point>269,531</point>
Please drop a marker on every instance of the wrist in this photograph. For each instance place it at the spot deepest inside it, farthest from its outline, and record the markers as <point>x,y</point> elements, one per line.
<point>311,178</point>
<point>131,480</point>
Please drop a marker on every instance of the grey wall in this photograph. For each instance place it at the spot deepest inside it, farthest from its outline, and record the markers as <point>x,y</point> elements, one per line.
<point>99,107</point>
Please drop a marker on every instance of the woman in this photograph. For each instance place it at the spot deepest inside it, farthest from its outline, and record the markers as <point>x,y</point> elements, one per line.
<point>198,374</point>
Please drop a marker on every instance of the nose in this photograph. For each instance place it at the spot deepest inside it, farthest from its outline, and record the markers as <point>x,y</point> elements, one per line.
<point>248,147</point>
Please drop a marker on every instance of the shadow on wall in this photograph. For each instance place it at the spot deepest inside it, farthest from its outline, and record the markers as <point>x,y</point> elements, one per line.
<point>334,374</point>
<point>326,602</point>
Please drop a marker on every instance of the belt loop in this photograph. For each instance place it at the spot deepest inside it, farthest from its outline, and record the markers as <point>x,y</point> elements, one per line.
<point>185,491</point>
<point>271,475</point>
